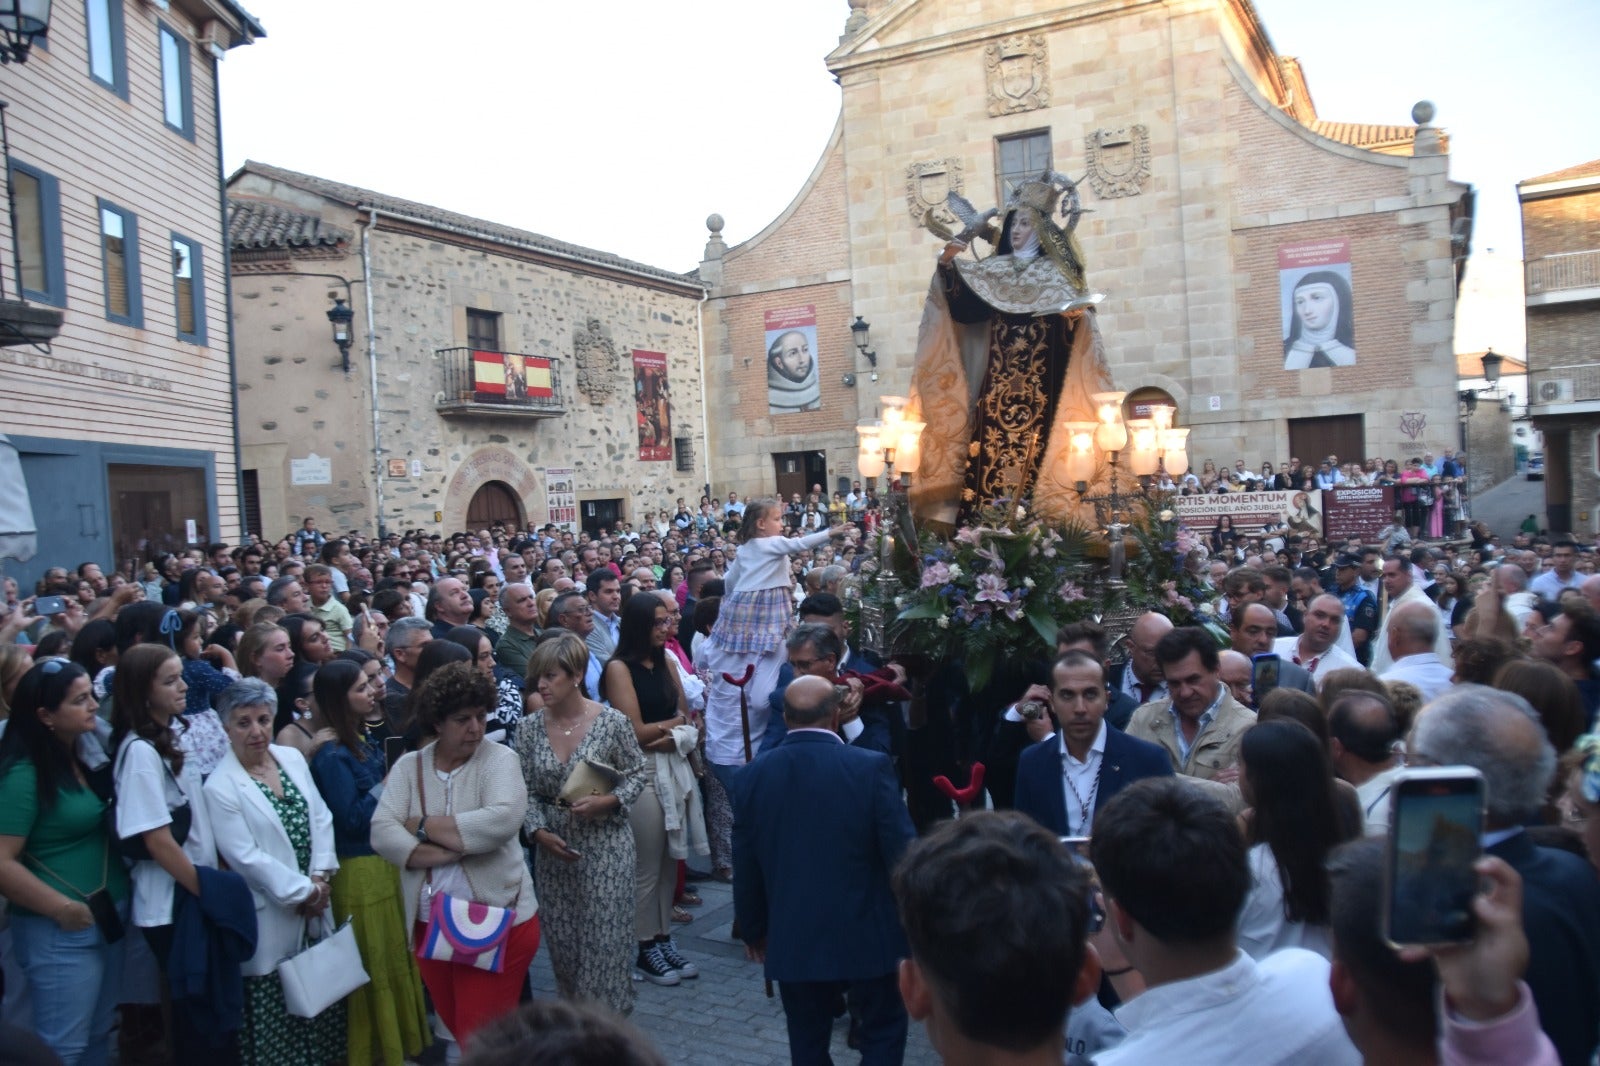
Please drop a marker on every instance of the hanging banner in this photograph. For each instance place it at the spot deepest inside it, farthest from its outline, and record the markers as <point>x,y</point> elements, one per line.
<point>793,381</point>
<point>1299,512</point>
<point>1358,512</point>
<point>509,378</point>
<point>561,498</point>
<point>1318,313</point>
<point>652,404</point>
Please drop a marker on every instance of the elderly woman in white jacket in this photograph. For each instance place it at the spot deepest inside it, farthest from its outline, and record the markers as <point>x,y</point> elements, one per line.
<point>274,830</point>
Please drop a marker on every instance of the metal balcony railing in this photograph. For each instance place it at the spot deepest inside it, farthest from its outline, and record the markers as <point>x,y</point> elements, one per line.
<point>1567,270</point>
<point>499,384</point>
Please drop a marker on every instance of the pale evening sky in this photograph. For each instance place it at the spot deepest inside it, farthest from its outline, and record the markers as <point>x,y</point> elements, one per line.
<point>620,126</point>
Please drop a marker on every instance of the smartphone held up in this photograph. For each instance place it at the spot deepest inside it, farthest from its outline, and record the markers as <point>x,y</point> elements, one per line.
<point>1435,841</point>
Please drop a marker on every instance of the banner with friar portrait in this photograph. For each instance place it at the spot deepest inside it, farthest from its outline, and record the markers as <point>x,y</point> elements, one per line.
<point>1316,306</point>
<point>794,383</point>
<point>652,405</point>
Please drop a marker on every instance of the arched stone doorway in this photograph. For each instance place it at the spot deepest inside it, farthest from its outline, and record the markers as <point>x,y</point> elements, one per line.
<point>492,465</point>
<point>494,502</point>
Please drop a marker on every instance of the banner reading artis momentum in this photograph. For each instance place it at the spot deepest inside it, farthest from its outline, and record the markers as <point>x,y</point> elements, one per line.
<point>1318,316</point>
<point>1358,512</point>
<point>793,383</point>
<point>1300,512</point>
<point>653,405</point>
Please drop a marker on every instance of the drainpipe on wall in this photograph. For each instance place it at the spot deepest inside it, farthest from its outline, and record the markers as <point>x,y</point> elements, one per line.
<point>372,359</point>
<point>705,412</point>
<point>227,305</point>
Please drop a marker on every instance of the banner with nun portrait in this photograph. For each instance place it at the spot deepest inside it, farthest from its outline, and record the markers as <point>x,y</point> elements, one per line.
<point>793,380</point>
<point>1318,314</point>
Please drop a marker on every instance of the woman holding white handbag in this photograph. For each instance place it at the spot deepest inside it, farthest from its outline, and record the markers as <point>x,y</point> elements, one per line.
<point>275,831</point>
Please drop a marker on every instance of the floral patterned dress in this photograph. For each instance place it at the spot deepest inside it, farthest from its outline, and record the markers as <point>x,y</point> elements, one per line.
<point>271,1036</point>
<point>586,907</point>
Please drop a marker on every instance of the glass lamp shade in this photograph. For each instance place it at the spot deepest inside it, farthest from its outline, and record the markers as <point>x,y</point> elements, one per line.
<point>909,456</point>
<point>1080,450</point>
<point>869,441</point>
<point>1143,455</point>
<point>1175,448</point>
<point>1112,434</point>
<point>894,412</point>
<point>1161,414</point>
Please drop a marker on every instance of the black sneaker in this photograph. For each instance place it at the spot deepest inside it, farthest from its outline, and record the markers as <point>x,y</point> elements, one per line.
<point>652,966</point>
<point>675,959</point>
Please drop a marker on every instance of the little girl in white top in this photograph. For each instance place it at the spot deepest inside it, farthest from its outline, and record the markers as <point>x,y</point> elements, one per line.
<point>757,610</point>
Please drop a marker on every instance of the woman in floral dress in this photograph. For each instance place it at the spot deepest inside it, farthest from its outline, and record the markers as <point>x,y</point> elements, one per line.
<point>275,831</point>
<point>585,867</point>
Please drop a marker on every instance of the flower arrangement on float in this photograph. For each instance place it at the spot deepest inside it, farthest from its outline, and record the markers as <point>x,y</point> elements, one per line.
<point>1165,572</point>
<point>999,587</point>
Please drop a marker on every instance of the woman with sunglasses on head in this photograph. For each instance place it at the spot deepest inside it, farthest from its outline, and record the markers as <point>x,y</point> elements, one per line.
<point>68,891</point>
<point>161,813</point>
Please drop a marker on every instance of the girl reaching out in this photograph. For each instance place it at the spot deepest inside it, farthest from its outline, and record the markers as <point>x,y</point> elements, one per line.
<point>756,612</point>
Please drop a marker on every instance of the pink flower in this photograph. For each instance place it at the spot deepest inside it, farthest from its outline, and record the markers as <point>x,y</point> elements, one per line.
<point>935,574</point>
<point>991,589</point>
<point>1070,592</point>
<point>966,535</point>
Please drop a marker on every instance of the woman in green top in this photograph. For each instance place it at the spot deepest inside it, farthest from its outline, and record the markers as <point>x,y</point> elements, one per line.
<point>68,892</point>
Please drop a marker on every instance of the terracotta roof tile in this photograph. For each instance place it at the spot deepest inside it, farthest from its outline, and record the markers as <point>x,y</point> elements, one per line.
<point>1582,170</point>
<point>253,224</point>
<point>1366,135</point>
<point>356,196</point>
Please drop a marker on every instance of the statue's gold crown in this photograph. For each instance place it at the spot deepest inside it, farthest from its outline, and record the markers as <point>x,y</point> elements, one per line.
<point>1042,196</point>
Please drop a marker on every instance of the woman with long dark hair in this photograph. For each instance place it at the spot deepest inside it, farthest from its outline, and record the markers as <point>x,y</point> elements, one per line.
<point>639,682</point>
<point>55,854</point>
<point>1292,825</point>
<point>387,1018</point>
<point>160,803</point>
<point>507,711</point>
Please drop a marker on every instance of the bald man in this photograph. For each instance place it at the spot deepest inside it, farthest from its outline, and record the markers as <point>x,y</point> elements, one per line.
<point>1140,677</point>
<point>1412,630</point>
<point>1235,672</point>
<point>1399,587</point>
<point>1316,648</point>
<point>1252,630</point>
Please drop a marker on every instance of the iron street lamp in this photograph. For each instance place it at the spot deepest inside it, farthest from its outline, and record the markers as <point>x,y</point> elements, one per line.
<point>859,333</point>
<point>1491,366</point>
<point>340,317</point>
<point>21,23</point>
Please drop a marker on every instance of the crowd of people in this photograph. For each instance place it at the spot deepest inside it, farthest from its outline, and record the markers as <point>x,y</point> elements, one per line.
<point>469,748</point>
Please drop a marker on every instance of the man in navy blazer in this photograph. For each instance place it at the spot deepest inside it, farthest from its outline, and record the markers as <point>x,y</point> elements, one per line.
<point>1064,779</point>
<point>817,828</point>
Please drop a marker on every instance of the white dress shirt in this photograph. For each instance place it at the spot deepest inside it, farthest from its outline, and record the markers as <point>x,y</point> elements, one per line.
<point>1424,670</point>
<point>1263,926</point>
<point>1080,782</point>
<point>1318,666</point>
<point>1263,1013</point>
<point>1374,796</point>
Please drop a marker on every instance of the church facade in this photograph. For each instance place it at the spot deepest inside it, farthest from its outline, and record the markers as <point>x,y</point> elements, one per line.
<point>1286,281</point>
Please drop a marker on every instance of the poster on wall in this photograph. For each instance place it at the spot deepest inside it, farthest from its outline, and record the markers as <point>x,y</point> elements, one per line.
<point>1358,512</point>
<point>561,498</point>
<point>793,381</point>
<point>1317,311</point>
<point>508,378</point>
<point>652,405</point>
<point>1298,512</point>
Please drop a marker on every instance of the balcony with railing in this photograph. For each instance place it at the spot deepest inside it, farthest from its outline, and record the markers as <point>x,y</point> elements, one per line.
<point>1563,278</point>
<point>481,384</point>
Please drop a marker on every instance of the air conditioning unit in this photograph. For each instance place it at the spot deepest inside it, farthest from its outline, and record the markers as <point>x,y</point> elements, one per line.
<point>1555,390</point>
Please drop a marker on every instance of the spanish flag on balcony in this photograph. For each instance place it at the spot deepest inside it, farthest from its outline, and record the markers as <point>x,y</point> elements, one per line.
<point>510,378</point>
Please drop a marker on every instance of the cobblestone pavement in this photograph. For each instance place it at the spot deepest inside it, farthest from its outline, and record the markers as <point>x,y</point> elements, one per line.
<point>723,1016</point>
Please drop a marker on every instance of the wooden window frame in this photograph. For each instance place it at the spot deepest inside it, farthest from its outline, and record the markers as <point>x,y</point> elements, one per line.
<point>197,291</point>
<point>1002,195</point>
<point>185,80</point>
<point>116,31</point>
<point>51,248</point>
<point>130,252</point>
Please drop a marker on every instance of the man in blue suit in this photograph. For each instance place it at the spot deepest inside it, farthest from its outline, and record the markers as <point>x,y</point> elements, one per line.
<point>1063,780</point>
<point>817,827</point>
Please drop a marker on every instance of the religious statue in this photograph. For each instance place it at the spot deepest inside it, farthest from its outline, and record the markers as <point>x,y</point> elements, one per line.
<point>1008,349</point>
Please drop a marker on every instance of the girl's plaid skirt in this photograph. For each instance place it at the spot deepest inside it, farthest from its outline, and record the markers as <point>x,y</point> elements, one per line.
<point>754,621</point>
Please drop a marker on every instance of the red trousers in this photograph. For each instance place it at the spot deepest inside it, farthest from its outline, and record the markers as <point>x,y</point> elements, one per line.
<point>467,997</point>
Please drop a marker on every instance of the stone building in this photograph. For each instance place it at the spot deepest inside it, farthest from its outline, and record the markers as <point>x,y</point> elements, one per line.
<point>491,375</point>
<point>1214,186</point>
<point>115,366</point>
<point>1561,253</point>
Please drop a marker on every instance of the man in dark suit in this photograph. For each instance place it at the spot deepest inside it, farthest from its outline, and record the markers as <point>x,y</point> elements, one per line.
<point>1499,734</point>
<point>814,650</point>
<point>817,828</point>
<point>1063,781</point>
